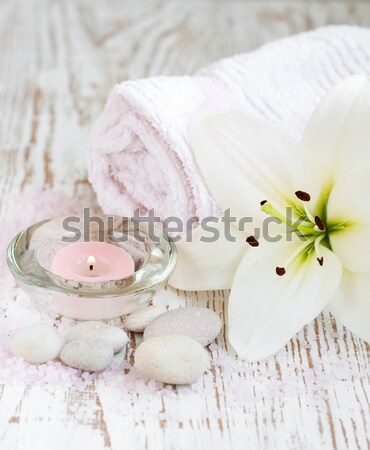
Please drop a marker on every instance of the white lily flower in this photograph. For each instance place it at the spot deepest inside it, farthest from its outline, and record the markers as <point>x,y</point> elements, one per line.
<point>324,260</point>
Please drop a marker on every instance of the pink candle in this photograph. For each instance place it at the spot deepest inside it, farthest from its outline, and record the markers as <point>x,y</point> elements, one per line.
<point>93,261</point>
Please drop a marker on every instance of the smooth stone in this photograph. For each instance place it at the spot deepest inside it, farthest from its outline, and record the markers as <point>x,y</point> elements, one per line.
<point>113,336</point>
<point>140,319</point>
<point>171,359</point>
<point>83,329</point>
<point>198,323</point>
<point>38,343</point>
<point>87,354</point>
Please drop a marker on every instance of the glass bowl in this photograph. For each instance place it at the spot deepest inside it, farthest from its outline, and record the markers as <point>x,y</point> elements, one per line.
<point>31,252</point>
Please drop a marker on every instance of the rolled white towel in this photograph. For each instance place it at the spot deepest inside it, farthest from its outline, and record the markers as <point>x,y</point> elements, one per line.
<point>139,150</point>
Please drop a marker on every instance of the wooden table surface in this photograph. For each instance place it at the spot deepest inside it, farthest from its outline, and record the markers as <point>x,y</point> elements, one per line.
<point>58,61</point>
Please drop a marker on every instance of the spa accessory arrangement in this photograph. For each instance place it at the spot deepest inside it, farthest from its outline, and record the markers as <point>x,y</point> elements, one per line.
<point>172,350</point>
<point>211,152</point>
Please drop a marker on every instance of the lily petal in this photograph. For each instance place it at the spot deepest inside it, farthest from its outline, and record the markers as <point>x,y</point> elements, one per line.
<point>348,209</point>
<point>353,247</point>
<point>245,160</point>
<point>208,265</point>
<point>267,310</point>
<point>351,303</point>
<point>338,132</point>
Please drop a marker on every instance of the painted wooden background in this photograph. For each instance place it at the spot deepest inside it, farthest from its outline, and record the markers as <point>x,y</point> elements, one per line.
<point>58,61</point>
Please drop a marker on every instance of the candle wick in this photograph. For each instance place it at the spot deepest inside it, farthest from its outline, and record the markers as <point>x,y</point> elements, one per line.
<point>91,260</point>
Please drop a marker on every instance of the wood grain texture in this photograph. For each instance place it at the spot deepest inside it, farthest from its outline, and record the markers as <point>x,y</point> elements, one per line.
<point>58,61</point>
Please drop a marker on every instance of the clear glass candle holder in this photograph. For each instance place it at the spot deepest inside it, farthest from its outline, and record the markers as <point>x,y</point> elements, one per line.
<point>31,253</point>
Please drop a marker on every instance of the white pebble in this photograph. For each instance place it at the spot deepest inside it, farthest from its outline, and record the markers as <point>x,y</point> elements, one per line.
<point>113,336</point>
<point>138,320</point>
<point>37,343</point>
<point>87,354</point>
<point>171,359</point>
<point>201,324</point>
<point>83,330</point>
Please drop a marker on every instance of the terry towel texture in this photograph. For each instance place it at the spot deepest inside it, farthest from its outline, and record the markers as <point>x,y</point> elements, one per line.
<point>139,154</point>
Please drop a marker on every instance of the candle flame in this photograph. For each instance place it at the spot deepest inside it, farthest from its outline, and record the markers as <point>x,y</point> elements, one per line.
<point>91,260</point>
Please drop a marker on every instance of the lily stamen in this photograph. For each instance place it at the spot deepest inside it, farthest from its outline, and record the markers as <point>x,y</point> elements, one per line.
<point>319,257</point>
<point>310,216</point>
<point>252,241</point>
<point>321,260</point>
<point>280,271</point>
<point>304,196</point>
<point>320,224</point>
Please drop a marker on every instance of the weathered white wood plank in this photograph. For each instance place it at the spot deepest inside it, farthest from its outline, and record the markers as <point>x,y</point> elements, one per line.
<point>58,61</point>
